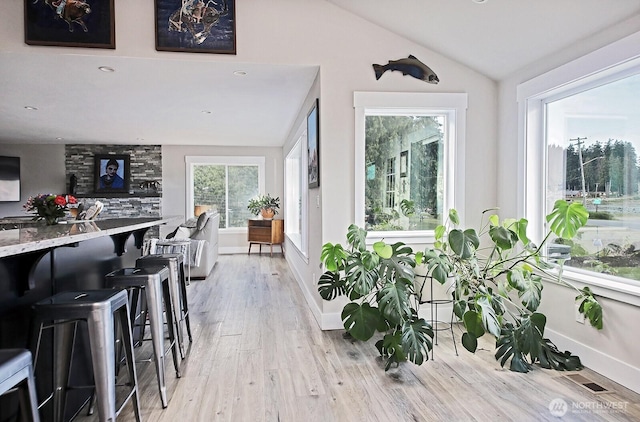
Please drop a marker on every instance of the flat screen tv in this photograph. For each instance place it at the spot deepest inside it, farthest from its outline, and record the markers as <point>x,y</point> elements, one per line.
<point>9,179</point>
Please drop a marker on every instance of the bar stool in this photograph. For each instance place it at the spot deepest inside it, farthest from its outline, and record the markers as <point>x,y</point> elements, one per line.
<point>154,281</point>
<point>16,372</point>
<point>175,262</point>
<point>99,309</point>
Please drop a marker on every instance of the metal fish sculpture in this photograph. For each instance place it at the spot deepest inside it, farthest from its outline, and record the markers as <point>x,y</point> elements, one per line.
<point>409,66</point>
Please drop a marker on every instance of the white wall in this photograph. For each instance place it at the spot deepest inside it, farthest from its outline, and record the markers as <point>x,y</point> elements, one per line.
<point>41,171</point>
<point>612,351</point>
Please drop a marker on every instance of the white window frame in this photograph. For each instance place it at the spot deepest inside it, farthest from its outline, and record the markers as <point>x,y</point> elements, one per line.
<point>607,64</point>
<point>299,241</point>
<point>191,161</point>
<point>453,106</point>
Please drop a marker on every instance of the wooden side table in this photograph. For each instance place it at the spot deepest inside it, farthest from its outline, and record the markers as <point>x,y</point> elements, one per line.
<point>266,232</point>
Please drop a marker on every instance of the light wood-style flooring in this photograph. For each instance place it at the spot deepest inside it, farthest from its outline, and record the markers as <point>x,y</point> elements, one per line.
<point>258,355</point>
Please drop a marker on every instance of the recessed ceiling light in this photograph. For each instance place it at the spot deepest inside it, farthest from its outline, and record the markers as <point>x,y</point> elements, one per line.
<point>206,112</point>
<point>139,139</point>
<point>106,69</point>
<point>32,108</point>
<point>59,138</point>
<point>240,73</point>
<point>480,1</point>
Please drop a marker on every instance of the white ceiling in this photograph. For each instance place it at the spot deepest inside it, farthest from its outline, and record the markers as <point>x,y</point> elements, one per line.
<point>496,37</point>
<point>163,101</point>
<point>147,100</point>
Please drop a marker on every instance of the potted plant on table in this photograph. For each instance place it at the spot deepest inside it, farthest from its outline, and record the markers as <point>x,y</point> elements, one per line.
<point>266,205</point>
<point>497,288</point>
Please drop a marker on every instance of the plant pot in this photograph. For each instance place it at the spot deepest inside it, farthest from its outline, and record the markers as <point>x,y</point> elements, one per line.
<point>267,213</point>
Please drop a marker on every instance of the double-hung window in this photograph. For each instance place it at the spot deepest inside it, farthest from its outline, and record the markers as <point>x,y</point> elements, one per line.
<point>409,153</point>
<point>225,184</point>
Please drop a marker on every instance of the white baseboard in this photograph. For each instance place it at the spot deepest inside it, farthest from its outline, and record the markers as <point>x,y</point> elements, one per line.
<point>313,305</point>
<point>610,367</point>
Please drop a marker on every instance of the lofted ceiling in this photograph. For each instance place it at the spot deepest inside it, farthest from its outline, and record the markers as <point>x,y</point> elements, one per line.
<point>162,101</point>
<point>494,37</point>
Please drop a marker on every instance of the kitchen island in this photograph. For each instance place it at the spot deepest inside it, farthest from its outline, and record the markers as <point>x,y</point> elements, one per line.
<point>39,261</point>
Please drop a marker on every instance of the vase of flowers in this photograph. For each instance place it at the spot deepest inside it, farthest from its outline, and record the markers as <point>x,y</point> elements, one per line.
<point>49,207</point>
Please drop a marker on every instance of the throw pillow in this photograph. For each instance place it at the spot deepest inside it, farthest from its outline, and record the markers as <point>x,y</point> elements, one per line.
<point>190,223</point>
<point>202,221</point>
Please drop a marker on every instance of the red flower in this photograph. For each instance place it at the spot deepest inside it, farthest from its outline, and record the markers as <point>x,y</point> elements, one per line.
<point>71,199</point>
<point>60,201</point>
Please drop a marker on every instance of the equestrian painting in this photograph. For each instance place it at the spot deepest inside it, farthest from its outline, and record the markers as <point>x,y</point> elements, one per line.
<point>70,23</point>
<point>204,26</point>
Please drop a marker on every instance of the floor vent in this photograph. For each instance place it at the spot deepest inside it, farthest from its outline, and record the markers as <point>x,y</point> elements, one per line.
<point>594,387</point>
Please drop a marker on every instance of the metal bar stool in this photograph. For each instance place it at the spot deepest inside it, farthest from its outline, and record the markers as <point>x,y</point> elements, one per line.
<point>177,278</point>
<point>16,373</point>
<point>154,281</point>
<point>100,309</point>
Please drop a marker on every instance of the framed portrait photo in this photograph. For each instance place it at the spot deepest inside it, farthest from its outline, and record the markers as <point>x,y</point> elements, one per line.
<point>112,173</point>
<point>313,146</point>
<point>196,26</point>
<point>70,23</point>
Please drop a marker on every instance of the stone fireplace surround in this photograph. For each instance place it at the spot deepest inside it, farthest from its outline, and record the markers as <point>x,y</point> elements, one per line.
<point>145,165</point>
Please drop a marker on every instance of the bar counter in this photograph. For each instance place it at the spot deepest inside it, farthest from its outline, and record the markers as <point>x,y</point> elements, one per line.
<point>38,261</point>
<point>39,237</point>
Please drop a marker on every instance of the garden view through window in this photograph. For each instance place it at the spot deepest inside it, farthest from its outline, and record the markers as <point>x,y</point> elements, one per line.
<point>593,141</point>
<point>404,172</point>
<point>226,188</point>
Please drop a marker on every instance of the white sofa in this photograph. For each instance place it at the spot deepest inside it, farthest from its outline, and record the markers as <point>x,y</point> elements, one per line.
<point>204,228</point>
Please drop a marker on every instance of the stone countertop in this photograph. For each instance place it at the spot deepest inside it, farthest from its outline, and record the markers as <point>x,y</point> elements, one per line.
<point>29,239</point>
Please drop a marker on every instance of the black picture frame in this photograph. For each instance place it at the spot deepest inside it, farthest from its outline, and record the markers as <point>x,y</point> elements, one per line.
<point>313,145</point>
<point>208,29</point>
<point>119,184</point>
<point>9,179</point>
<point>404,163</point>
<point>44,26</point>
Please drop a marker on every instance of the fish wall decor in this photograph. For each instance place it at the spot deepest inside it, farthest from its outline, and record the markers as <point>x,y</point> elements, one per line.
<point>410,66</point>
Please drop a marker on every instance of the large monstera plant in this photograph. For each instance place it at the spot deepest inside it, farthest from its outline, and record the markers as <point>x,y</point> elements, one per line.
<point>498,278</point>
<point>379,283</point>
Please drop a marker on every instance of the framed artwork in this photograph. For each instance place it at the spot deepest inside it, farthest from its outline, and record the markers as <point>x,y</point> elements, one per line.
<point>196,26</point>
<point>9,179</point>
<point>404,157</point>
<point>313,146</point>
<point>70,23</point>
<point>112,173</point>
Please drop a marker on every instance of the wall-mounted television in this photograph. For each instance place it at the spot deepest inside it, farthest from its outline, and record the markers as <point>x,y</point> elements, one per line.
<point>9,179</point>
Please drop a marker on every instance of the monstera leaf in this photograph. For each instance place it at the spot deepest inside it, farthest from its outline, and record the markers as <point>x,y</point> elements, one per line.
<point>361,272</point>
<point>416,340</point>
<point>393,300</point>
<point>330,285</point>
<point>567,218</point>
<point>390,347</point>
<point>357,237</point>
<point>360,320</point>
<point>503,238</point>
<point>528,285</point>
<point>590,307</point>
<point>438,264</point>
<point>464,243</point>
<point>333,256</point>
<point>399,265</point>
<point>518,342</point>
<point>551,358</point>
